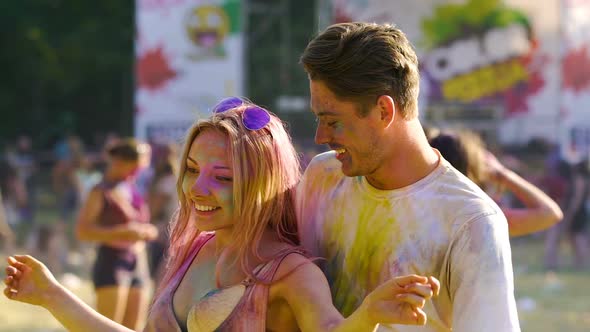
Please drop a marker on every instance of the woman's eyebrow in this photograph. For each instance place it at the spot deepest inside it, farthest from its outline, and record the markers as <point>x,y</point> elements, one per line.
<point>214,167</point>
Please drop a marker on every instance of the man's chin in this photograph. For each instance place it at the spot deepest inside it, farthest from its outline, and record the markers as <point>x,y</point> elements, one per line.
<point>348,171</point>
<point>347,168</point>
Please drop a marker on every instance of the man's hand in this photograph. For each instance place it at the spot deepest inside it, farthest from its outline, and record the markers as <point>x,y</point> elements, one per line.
<point>400,300</point>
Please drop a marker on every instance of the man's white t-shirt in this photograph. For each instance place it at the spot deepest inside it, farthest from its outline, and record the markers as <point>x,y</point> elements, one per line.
<point>443,225</point>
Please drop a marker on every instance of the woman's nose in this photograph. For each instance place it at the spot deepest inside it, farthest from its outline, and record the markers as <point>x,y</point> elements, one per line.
<point>201,186</point>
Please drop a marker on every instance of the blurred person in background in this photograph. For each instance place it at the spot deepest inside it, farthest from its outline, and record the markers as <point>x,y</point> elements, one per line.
<point>55,241</point>
<point>65,186</point>
<point>556,185</point>
<point>14,199</point>
<point>87,174</point>
<point>6,233</point>
<point>116,217</point>
<point>576,217</point>
<point>466,151</point>
<point>97,152</point>
<point>145,176</point>
<point>23,159</point>
<point>163,203</point>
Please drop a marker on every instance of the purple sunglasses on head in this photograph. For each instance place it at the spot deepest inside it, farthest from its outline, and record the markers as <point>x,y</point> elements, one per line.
<point>253,118</point>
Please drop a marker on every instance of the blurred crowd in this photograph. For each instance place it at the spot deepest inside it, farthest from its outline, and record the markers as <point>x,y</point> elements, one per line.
<point>539,192</point>
<point>42,192</point>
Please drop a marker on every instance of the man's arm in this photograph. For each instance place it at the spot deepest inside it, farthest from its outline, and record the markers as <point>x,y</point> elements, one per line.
<point>481,277</point>
<point>306,291</point>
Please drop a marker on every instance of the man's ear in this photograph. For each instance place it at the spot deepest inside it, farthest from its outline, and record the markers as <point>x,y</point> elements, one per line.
<point>387,109</point>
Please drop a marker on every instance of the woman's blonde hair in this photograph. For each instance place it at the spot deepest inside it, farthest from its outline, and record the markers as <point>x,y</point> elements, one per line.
<point>265,171</point>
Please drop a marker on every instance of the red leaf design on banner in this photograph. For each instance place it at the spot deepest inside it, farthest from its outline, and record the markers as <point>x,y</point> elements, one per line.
<point>340,14</point>
<point>576,70</point>
<point>153,70</point>
<point>517,96</point>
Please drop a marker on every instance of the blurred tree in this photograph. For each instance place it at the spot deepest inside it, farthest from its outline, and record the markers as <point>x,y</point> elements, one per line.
<point>68,67</point>
<point>277,33</point>
<point>68,64</point>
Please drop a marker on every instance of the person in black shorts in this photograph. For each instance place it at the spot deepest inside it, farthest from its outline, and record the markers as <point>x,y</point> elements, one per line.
<point>576,211</point>
<point>117,217</point>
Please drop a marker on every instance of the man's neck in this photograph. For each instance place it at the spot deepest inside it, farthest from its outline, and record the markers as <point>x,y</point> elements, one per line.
<point>412,160</point>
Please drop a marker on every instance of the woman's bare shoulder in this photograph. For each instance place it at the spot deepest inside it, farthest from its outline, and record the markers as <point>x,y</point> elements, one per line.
<point>297,267</point>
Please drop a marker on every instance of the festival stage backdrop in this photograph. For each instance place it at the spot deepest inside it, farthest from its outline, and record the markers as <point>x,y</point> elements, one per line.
<point>575,80</point>
<point>189,55</point>
<point>501,66</point>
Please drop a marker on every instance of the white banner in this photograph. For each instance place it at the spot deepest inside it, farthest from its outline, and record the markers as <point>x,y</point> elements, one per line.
<point>575,82</point>
<point>189,55</point>
<point>492,64</point>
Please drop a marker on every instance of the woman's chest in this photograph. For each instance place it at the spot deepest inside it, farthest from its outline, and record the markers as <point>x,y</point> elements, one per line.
<point>200,286</point>
<point>196,283</point>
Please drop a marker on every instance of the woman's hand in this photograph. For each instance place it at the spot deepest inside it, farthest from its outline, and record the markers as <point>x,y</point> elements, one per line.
<point>136,231</point>
<point>400,300</point>
<point>148,232</point>
<point>495,169</point>
<point>28,280</point>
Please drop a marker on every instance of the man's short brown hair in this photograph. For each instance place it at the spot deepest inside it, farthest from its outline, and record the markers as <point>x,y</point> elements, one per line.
<point>362,61</point>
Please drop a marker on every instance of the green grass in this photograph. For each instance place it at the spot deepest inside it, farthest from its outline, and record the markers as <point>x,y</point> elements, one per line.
<point>561,299</point>
<point>548,302</point>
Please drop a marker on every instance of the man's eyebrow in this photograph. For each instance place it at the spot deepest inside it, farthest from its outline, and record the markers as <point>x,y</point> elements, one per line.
<point>326,113</point>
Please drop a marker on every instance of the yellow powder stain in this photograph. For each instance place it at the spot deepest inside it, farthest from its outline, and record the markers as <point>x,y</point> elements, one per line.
<point>357,256</point>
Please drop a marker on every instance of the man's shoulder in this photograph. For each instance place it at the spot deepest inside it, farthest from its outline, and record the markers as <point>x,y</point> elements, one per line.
<point>323,169</point>
<point>462,198</point>
<point>324,162</point>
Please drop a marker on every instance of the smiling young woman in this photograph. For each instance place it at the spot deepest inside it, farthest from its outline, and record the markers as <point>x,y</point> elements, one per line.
<point>234,261</point>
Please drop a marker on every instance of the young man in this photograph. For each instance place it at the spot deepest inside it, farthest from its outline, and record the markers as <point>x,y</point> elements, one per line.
<point>383,202</point>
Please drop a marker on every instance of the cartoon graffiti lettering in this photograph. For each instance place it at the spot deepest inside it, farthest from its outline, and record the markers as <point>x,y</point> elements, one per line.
<point>484,81</point>
<point>482,51</point>
<point>502,44</point>
<point>464,55</point>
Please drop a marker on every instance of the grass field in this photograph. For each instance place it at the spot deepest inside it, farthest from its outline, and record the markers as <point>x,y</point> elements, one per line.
<point>548,302</point>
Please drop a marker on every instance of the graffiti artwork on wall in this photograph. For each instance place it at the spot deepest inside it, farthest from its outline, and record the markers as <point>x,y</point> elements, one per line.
<point>189,55</point>
<point>482,51</point>
<point>207,26</point>
<point>575,82</point>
